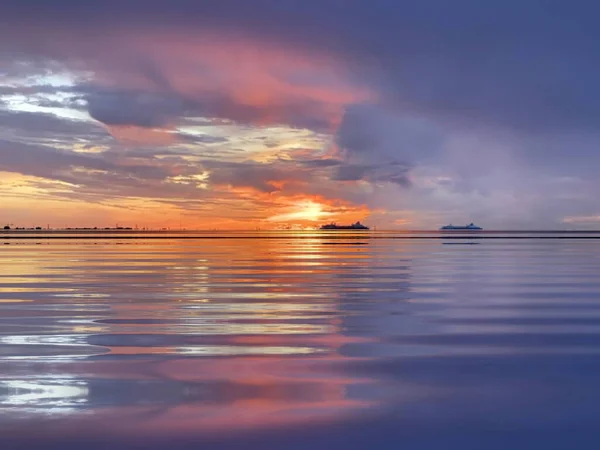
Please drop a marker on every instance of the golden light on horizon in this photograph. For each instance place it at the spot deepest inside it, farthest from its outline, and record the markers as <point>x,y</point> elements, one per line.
<point>304,211</point>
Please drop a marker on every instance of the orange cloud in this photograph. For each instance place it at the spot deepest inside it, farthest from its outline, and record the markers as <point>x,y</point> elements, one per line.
<point>218,75</point>
<point>184,74</point>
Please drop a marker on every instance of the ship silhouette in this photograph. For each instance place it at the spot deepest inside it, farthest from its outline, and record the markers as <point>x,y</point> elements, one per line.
<point>471,226</point>
<point>354,226</point>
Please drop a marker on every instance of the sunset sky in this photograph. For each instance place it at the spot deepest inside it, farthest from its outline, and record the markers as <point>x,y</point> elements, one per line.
<point>267,113</point>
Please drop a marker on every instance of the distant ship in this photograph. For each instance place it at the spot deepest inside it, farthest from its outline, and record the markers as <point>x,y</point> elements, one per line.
<point>471,226</point>
<point>354,226</point>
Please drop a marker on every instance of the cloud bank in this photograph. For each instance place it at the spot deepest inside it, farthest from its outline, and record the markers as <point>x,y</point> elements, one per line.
<point>422,113</point>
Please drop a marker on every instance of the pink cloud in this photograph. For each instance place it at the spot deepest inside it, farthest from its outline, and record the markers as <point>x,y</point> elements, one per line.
<point>210,74</point>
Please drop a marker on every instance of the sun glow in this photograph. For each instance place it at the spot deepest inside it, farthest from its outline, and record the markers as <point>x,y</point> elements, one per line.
<point>305,211</point>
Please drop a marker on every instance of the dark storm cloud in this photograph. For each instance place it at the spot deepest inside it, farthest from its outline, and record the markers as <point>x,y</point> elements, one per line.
<point>305,175</point>
<point>142,109</point>
<point>48,124</point>
<point>248,174</point>
<point>43,161</point>
<point>155,110</point>
<point>382,147</point>
<point>489,100</point>
<point>395,173</point>
<point>529,64</point>
<point>111,108</point>
<point>47,162</point>
<point>370,130</point>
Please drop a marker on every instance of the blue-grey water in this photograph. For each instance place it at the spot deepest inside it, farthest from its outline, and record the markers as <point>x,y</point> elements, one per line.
<point>308,341</point>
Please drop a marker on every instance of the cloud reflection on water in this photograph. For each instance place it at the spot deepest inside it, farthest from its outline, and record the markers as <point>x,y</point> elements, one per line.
<point>289,343</point>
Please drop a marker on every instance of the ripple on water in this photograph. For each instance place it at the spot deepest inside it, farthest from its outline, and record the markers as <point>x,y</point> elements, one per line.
<point>214,337</point>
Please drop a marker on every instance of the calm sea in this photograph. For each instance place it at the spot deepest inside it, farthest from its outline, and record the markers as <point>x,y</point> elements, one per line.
<point>300,341</point>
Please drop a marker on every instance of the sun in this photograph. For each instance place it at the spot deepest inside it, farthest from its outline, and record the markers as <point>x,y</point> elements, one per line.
<point>307,211</point>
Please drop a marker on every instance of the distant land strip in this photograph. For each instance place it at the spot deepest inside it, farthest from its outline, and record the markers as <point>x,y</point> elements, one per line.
<point>291,236</point>
<point>130,231</point>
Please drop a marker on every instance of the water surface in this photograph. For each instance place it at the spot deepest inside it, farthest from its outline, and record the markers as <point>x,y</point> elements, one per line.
<point>300,341</point>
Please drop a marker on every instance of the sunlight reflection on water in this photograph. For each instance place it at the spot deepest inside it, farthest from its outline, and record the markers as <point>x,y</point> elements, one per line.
<point>160,339</point>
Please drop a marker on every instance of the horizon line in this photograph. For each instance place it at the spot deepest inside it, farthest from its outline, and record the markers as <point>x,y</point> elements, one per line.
<point>131,230</point>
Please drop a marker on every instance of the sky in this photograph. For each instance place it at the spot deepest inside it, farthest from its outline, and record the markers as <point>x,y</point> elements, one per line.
<point>243,114</point>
